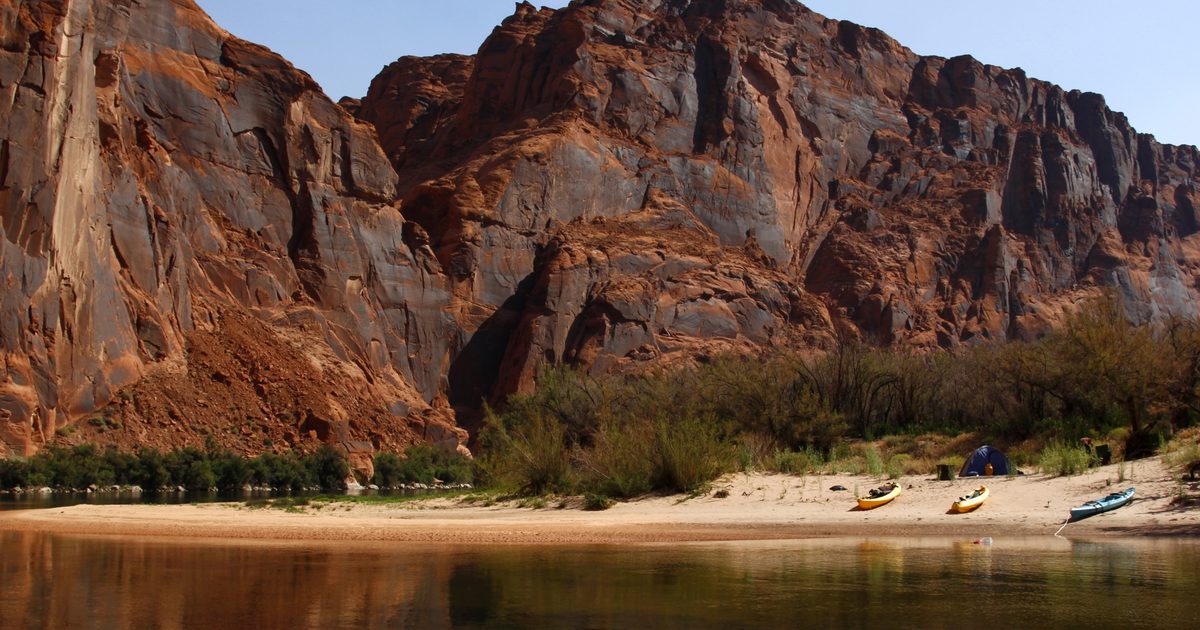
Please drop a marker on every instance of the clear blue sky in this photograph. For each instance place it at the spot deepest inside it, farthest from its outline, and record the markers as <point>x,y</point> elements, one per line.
<point>1141,55</point>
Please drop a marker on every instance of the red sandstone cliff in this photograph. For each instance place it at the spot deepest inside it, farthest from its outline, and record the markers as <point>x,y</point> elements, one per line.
<point>199,244</point>
<point>622,181</point>
<point>189,221</point>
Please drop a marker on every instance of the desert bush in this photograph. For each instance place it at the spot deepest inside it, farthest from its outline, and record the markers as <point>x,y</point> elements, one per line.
<point>690,454</point>
<point>756,451</point>
<point>190,467</point>
<point>1065,459</point>
<point>1183,452</point>
<point>526,449</point>
<point>620,462</point>
<point>955,462</point>
<point>873,460</point>
<point>897,465</point>
<point>448,465</point>
<point>796,462</point>
<point>596,502</point>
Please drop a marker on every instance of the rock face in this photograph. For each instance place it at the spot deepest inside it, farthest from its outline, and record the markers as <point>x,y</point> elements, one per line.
<point>189,221</point>
<point>619,182</point>
<point>199,245</point>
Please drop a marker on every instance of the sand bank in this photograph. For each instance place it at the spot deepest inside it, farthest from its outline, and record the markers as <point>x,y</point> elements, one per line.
<point>757,507</point>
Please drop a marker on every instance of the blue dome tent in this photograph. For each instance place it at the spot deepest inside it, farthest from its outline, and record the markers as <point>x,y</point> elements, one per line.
<point>977,462</point>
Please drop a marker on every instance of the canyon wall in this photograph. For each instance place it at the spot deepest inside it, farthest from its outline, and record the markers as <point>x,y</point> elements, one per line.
<point>618,182</point>
<point>194,233</point>
<point>199,246</point>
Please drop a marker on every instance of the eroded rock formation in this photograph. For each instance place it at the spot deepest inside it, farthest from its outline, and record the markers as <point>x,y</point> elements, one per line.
<point>623,181</point>
<point>188,220</point>
<point>198,244</point>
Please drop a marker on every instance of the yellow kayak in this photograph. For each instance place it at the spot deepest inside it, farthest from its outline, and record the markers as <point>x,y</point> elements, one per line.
<point>880,498</point>
<point>971,501</point>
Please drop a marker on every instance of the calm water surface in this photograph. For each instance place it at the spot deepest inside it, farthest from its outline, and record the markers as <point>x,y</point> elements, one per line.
<point>57,581</point>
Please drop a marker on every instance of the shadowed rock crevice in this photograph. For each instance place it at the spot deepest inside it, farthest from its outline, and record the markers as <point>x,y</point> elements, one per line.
<point>475,371</point>
<point>714,68</point>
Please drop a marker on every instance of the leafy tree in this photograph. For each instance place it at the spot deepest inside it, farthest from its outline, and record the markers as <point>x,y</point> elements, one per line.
<point>328,468</point>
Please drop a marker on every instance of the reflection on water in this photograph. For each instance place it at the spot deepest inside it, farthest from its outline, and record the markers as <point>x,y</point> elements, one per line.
<point>65,581</point>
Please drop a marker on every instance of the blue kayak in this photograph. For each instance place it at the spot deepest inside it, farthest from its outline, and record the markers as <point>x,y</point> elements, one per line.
<point>1110,502</point>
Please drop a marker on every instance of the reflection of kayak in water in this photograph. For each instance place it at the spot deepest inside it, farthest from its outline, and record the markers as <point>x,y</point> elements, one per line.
<point>1110,502</point>
<point>879,496</point>
<point>971,501</point>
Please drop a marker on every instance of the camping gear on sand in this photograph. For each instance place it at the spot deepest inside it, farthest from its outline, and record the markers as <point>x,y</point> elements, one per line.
<point>985,461</point>
<point>1110,502</point>
<point>879,496</point>
<point>971,501</point>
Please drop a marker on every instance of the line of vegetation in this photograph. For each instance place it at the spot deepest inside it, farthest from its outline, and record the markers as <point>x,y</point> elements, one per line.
<point>677,430</point>
<point>850,408</point>
<point>88,466</point>
<point>422,464</point>
<point>326,469</point>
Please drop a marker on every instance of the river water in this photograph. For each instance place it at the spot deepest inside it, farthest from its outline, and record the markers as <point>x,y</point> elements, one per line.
<point>61,581</point>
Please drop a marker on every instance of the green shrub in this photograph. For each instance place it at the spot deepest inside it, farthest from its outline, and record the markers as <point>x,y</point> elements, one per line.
<point>873,461</point>
<point>198,475</point>
<point>328,468</point>
<point>85,465</point>
<point>1064,459</point>
<point>620,462</point>
<point>422,463</point>
<point>448,466</point>
<point>756,451</point>
<point>151,473</point>
<point>596,502</point>
<point>796,462</point>
<point>533,503</point>
<point>387,470</point>
<point>231,471</point>
<point>14,473</point>
<point>190,467</point>
<point>1182,453</point>
<point>526,449</point>
<point>955,462</point>
<point>282,472</point>
<point>690,454</point>
<point>839,452</point>
<point>896,465</point>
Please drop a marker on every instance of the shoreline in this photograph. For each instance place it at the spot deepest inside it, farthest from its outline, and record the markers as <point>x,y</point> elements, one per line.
<point>758,507</point>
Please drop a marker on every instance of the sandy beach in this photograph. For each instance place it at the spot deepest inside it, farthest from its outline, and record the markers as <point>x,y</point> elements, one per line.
<point>757,507</point>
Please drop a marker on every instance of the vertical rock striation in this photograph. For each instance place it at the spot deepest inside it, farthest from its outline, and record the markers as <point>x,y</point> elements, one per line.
<point>184,214</point>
